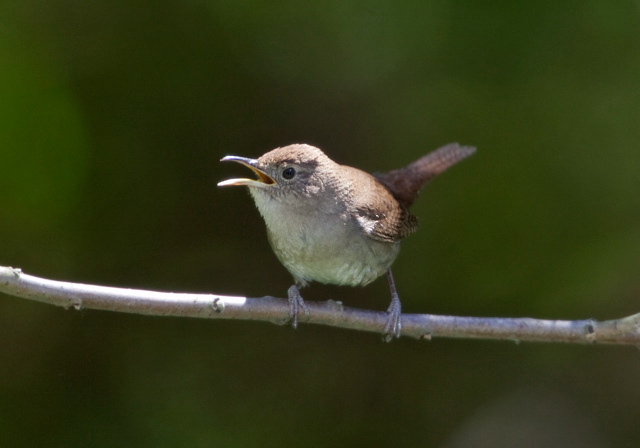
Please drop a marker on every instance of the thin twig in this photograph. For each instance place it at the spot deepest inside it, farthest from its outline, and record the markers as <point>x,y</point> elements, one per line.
<point>624,331</point>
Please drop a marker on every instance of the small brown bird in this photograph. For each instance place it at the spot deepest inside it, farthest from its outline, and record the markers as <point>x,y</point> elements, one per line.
<point>335,224</point>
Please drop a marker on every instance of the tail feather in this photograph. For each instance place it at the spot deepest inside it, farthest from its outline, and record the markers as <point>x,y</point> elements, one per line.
<point>405,183</point>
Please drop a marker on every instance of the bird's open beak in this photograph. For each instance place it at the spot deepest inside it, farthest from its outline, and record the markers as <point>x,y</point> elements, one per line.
<point>263,180</point>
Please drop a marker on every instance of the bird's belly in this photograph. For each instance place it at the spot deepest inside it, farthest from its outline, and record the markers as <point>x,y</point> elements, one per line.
<point>340,257</point>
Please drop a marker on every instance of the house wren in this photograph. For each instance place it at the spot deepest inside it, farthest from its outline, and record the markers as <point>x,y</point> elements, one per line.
<point>335,224</point>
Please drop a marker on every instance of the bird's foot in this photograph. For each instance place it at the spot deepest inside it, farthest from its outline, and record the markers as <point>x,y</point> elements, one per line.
<point>295,304</point>
<point>393,328</point>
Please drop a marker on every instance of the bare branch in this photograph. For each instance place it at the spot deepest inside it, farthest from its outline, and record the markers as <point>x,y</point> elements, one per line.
<point>625,331</point>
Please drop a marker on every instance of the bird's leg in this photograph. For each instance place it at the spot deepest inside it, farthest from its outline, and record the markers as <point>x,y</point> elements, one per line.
<point>393,328</point>
<point>296,302</point>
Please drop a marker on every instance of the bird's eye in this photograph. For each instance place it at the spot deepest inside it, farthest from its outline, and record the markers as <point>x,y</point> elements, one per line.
<point>289,173</point>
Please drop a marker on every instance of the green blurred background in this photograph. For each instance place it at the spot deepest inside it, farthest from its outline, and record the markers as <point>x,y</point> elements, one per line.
<point>113,116</point>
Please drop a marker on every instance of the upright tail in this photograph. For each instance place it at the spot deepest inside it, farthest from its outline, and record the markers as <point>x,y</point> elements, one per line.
<point>405,183</point>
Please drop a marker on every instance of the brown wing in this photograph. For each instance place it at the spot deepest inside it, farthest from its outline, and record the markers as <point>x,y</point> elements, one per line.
<point>376,211</point>
<point>405,183</point>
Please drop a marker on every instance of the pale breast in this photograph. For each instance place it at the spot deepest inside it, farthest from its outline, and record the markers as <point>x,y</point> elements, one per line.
<point>322,240</point>
<point>336,254</point>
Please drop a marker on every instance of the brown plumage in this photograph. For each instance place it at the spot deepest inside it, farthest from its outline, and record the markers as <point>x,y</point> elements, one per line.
<point>406,183</point>
<point>336,224</point>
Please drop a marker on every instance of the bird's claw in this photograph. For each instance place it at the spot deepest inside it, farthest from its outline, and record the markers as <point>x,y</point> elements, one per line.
<point>295,303</point>
<point>393,327</point>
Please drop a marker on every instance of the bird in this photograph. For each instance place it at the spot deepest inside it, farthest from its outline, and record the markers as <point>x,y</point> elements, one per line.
<point>336,224</point>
